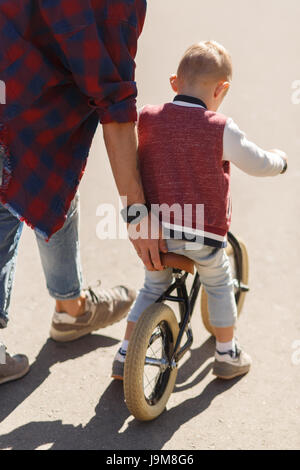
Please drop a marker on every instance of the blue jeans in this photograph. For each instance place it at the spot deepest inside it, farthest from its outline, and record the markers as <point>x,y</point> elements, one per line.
<point>214,269</point>
<point>60,258</point>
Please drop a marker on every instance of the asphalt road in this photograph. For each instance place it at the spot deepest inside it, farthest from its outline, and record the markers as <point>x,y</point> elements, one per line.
<point>68,400</point>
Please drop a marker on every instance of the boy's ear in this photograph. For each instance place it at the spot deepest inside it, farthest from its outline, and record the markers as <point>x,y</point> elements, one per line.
<point>173,82</point>
<point>226,86</point>
<point>221,88</point>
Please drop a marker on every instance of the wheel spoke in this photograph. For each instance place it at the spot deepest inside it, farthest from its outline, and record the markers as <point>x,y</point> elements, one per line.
<point>155,362</point>
<point>154,353</point>
<point>149,381</point>
<point>154,379</point>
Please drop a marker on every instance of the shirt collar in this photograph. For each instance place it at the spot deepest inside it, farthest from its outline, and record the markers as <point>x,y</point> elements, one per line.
<point>189,99</point>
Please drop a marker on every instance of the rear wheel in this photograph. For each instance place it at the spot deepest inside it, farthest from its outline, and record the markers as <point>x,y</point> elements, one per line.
<point>238,257</point>
<point>149,378</point>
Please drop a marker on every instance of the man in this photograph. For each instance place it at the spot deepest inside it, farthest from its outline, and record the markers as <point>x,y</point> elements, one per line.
<point>66,64</point>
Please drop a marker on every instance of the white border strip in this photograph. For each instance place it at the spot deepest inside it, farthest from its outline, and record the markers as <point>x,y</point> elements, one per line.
<point>190,105</point>
<point>193,231</point>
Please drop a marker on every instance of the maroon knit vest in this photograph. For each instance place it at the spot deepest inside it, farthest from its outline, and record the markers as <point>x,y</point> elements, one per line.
<point>180,153</point>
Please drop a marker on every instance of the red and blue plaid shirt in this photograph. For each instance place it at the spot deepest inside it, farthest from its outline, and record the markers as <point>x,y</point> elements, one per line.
<point>66,64</point>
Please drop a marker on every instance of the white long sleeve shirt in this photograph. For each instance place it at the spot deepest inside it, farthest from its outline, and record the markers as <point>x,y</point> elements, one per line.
<point>243,153</point>
<point>246,155</point>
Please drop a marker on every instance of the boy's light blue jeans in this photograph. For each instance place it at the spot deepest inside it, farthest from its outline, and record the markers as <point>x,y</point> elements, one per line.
<point>60,258</point>
<point>215,274</point>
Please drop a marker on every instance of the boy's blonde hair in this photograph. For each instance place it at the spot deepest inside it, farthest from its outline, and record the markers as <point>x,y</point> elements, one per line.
<point>208,60</point>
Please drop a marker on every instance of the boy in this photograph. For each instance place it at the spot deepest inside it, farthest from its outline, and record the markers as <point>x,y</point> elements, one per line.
<point>185,150</point>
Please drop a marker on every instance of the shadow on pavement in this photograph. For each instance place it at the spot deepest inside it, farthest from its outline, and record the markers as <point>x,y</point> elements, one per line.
<point>14,393</point>
<point>105,430</point>
<point>197,358</point>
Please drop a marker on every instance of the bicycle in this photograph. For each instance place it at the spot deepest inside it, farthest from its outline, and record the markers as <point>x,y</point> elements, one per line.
<point>155,349</point>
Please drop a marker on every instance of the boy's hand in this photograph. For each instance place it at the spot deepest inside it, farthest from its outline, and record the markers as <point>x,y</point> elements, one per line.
<point>280,153</point>
<point>283,155</point>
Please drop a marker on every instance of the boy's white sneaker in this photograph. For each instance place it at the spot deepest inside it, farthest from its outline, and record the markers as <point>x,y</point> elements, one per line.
<point>231,364</point>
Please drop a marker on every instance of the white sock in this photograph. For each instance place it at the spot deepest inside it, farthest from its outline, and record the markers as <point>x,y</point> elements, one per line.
<point>124,345</point>
<point>225,347</point>
<point>121,354</point>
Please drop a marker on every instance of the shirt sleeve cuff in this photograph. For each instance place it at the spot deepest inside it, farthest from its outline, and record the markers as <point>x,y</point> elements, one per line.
<point>285,167</point>
<point>124,111</point>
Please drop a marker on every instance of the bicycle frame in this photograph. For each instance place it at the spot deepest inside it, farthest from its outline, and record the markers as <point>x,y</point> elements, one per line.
<point>187,300</point>
<point>186,306</point>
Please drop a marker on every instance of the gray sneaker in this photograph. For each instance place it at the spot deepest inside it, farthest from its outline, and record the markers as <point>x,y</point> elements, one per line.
<point>231,364</point>
<point>118,365</point>
<point>14,368</point>
<point>117,370</point>
<point>103,308</point>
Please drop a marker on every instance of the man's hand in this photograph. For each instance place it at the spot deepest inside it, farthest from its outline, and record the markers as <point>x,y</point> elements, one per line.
<point>147,239</point>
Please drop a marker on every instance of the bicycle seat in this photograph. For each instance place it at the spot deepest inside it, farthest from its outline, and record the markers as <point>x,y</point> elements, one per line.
<point>173,260</point>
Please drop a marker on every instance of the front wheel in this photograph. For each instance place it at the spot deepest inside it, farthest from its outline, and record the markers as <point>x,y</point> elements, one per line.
<point>149,378</point>
<point>238,257</point>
